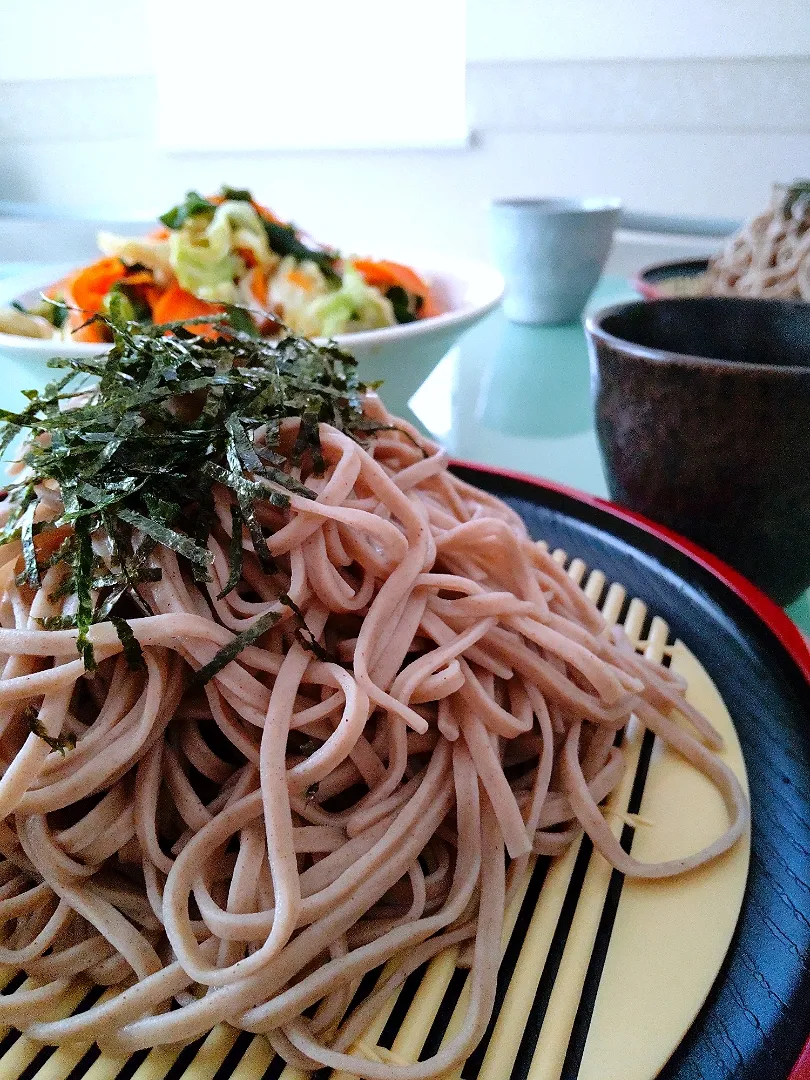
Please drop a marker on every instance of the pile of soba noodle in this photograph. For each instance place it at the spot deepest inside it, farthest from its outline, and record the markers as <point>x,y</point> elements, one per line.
<point>247,850</point>
<point>770,255</point>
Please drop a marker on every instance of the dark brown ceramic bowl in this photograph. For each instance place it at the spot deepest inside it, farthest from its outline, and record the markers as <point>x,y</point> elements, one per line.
<point>703,417</point>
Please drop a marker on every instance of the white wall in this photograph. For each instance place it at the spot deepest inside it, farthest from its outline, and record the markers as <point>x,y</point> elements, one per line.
<point>43,39</point>
<point>101,38</point>
<point>635,29</point>
<point>709,109</point>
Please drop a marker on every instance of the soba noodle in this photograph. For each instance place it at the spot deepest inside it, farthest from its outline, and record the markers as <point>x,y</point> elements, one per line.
<point>770,255</point>
<point>247,851</point>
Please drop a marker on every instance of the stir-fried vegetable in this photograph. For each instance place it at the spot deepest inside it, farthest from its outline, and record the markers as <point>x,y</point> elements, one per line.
<point>212,253</point>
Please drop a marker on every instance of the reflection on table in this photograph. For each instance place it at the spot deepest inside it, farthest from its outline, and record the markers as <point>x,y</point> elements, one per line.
<point>518,397</point>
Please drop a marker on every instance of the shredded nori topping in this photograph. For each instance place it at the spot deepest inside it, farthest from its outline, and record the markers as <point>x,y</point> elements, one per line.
<point>61,744</point>
<point>135,441</point>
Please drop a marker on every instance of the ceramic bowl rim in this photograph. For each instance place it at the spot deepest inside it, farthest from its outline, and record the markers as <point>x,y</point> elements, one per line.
<point>596,332</point>
<point>557,205</point>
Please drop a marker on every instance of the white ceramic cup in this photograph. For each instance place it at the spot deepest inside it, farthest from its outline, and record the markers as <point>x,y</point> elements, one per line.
<point>551,253</point>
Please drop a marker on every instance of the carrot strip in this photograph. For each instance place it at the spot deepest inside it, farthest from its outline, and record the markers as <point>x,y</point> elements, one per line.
<point>266,213</point>
<point>176,304</point>
<point>247,257</point>
<point>407,278</point>
<point>151,294</point>
<point>375,274</point>
<point>384,274</point>
<point>299,278</point>
<point>258,286</point>
<point>91,285</point>
<point>140,277</point>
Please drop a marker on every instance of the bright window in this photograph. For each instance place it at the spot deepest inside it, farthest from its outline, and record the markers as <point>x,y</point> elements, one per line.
<point>358,74</point>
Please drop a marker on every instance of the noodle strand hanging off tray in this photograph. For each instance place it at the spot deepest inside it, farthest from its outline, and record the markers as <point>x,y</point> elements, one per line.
<point>431,699</point>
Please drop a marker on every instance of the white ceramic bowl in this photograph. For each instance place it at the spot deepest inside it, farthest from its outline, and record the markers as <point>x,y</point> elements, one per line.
<point>402,356</point>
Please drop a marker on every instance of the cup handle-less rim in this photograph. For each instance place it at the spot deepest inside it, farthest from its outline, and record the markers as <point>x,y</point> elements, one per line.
<point>558,205</point>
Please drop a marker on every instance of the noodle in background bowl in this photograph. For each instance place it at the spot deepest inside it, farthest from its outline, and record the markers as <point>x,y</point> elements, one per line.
<point>767,258</point>
<point>402,355</point>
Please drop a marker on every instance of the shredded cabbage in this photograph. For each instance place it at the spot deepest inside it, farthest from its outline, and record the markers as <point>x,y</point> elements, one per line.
<point>148,251</point>
<point>203,253</point>
<point>293,288</point>
<point>354,306</point>
<point>313,308</point>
